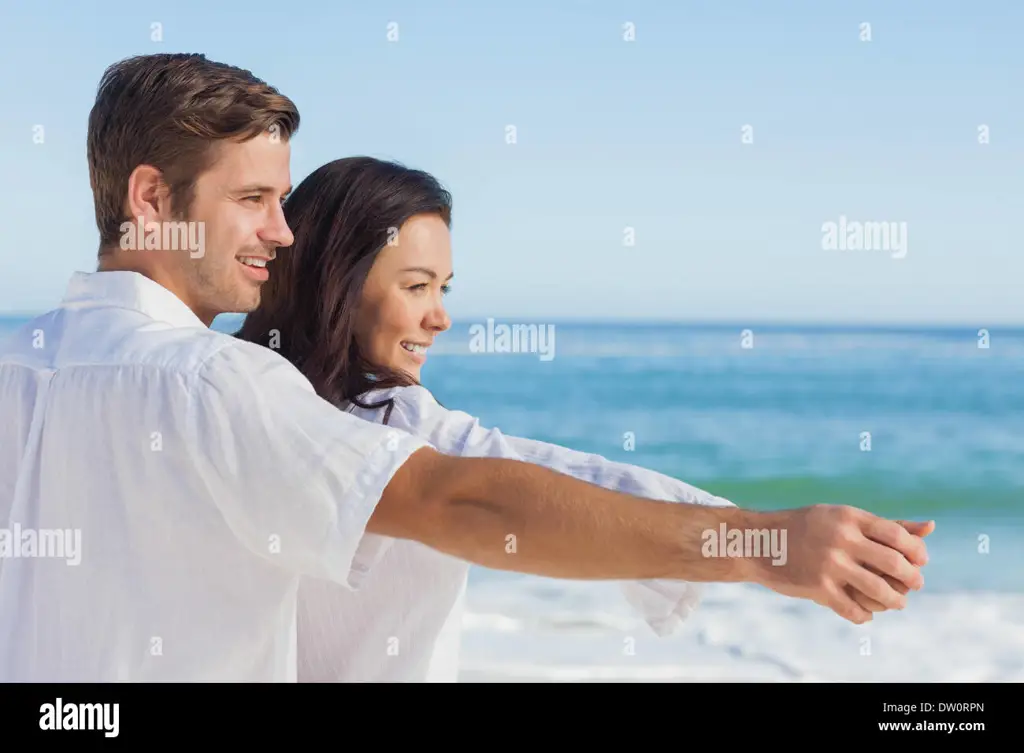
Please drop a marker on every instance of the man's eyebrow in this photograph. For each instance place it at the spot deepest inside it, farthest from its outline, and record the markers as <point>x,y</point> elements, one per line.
<point>264,189</point>
<point>429,272</point>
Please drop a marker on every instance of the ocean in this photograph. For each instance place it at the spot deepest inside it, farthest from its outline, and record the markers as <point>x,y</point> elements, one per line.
<point>910,423</point>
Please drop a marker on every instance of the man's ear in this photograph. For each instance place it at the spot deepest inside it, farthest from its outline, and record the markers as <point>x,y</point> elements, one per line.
<point>148,196</point>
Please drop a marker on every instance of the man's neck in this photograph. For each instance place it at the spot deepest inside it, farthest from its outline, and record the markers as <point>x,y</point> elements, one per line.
<point>113,262</point>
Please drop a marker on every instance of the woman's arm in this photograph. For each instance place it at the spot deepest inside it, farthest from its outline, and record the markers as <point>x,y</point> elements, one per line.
<point>664,604</point>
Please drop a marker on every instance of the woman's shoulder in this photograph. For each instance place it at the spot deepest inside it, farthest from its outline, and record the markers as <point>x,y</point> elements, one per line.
<point>409,401</point>
<point>413,393</point>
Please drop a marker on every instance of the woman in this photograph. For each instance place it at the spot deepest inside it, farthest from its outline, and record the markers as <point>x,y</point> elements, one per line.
<point>355,303</point>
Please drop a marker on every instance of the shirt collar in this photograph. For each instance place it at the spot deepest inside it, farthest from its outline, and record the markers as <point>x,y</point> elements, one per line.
<point>130,290</point>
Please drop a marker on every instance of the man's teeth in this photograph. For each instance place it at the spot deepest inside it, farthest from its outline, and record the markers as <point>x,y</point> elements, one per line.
<point>253,262</point>
<point>414,348</point>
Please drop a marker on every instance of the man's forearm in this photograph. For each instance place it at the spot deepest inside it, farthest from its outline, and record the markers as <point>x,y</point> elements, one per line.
<point>511,515</point>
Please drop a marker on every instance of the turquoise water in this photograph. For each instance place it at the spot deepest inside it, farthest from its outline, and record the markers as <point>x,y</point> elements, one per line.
<point>782,423</point>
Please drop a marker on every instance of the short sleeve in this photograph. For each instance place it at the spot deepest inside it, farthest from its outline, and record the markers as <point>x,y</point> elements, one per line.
<point>295,478</point>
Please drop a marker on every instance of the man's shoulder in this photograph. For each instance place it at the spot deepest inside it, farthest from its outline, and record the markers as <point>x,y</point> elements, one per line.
<point>112,337</point>
<point>202,354</point>
<point>227,358</point>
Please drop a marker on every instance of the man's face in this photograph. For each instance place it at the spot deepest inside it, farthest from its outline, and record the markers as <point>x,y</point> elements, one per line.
<point>238,203</point>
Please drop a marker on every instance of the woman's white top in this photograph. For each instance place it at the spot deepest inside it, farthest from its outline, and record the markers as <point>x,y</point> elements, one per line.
<point>403,621</point>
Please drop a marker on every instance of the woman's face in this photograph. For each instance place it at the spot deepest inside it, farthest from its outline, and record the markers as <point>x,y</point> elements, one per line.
<point>401,311</point>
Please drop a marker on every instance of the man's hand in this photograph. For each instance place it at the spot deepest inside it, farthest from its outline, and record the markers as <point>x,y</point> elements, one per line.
<point>916,529</point>
<point>833,548</point>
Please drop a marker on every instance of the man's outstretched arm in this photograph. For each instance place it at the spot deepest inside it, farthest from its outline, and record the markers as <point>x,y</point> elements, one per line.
<point>301,483</point>
<point>512,515</point>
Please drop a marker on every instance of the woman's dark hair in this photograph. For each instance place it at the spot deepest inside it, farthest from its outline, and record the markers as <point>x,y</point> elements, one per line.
<point>341,215</point>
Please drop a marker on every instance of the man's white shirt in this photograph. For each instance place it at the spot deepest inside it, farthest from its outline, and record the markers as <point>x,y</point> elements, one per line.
<point>404,622</point>
<point>169,495</point>
<point>201,477</point>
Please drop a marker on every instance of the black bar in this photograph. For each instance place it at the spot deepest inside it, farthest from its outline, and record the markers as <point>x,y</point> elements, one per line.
<point>473,716</point>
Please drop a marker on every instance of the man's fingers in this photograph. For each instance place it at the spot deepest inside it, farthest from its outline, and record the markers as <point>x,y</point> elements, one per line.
<point>867,602</point>
<point>873,586</point>
<point>895,536</point>
<point>864,601</point>
<point>918,529</point>
<point>896,585</point>
<point>843,605</point>
<point>884,561</point>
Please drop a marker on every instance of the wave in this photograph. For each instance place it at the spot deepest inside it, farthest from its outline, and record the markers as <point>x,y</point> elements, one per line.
<point>892,498</point>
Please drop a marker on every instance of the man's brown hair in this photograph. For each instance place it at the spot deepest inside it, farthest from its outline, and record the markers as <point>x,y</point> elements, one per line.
<point>168,111</point>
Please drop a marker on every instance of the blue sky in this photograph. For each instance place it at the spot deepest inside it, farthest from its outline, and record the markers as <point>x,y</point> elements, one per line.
<point>610,134</point>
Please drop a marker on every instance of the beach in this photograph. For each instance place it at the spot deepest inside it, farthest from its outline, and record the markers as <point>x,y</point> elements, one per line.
<point>572,632</point>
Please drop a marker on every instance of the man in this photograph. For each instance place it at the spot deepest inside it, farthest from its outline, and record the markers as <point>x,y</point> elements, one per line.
<point>167,486</point>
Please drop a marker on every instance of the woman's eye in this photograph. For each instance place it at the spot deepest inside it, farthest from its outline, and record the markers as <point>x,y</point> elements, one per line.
<point>445,289</point>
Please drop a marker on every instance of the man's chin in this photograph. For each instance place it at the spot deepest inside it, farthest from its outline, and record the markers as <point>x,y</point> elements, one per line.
<point>251,305</point>
<point>245,305</point>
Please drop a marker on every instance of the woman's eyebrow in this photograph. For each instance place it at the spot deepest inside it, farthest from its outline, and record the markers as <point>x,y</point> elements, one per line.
<point>429,272</point>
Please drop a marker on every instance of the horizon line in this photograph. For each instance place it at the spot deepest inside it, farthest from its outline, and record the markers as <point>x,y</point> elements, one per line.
<point>730,323</point>
<point>746,323</point>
